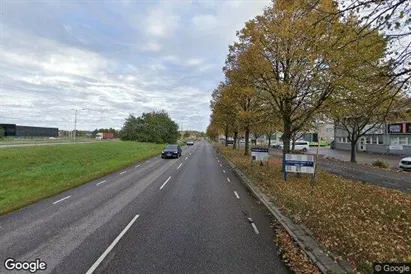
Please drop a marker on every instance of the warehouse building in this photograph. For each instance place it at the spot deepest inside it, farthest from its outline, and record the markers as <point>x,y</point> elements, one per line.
<point>13,130</point>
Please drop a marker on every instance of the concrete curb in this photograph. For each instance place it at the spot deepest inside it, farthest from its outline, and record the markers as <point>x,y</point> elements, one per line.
<point>300,234</point>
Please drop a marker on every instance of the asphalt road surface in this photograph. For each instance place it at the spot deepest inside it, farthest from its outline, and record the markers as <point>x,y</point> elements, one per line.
<point>190,215</point>
<point>375,176</point>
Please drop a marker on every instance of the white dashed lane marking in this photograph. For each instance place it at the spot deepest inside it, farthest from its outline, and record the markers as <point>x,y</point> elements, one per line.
<point>165,182</point>
<point>102,182</point>
<point>58,201</point>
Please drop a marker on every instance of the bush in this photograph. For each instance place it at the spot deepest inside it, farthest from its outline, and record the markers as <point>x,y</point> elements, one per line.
<point>380,164</point>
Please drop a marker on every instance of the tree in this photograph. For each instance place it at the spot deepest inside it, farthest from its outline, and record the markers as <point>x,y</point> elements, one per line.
<point>392,18</point>
<point>186,134</point>
<point>223,110</point>
<point>289,61</point>
<point>154,127</point>
<point>367,96</point>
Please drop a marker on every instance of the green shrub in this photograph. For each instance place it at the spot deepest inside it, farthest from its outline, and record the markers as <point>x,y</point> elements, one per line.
<point>380,164</point>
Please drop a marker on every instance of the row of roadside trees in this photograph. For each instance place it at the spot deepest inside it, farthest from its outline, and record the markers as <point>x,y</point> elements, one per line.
<point>302,62</point>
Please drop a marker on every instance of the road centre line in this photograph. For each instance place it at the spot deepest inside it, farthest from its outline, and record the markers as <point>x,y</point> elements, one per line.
<point>223,170</point>
<point>186,158</point>
<point>221,165</point>
<point>228,179</point>
<point>165,182</point>
<point>236,194</point>
<point>102,182</point>
<point>113,244</point>
<point>61,200</point>
<point>180,165</point>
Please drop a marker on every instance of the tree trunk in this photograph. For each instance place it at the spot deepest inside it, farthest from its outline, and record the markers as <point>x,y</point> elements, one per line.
<point>235,140</point>
<point>247,137</point>
<point>353,152</point>
<point>269,139</point>
<point>226,135</point>
<point>294,136</point>
<point>287,136</point>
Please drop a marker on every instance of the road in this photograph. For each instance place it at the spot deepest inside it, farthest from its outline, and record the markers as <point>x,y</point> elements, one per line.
<point>160,216</point>
<point>362,157</point>
<point>375,176</point>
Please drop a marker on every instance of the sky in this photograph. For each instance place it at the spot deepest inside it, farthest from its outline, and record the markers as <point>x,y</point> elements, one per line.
<point>110,59</point>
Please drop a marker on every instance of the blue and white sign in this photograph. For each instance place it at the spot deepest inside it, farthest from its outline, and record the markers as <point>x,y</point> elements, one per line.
<point>259,154</point>
<point>300,163</point>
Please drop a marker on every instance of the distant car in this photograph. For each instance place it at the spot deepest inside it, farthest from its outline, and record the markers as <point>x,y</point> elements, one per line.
<point>171,151</point>
<point>277,145</point>
<point>242,141</point>
<point>299,145</point>
<point>230,141</point>
<point>190,143</point>
<point>405,163</point>
<point>52,138</point>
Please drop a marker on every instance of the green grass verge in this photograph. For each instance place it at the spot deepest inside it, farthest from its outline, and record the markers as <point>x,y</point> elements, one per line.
<point>29,174</point>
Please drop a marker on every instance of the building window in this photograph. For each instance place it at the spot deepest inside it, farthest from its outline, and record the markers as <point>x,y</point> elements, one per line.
<point>394,140</point>
<point>368,140</point>
<point>380,140</point>
<point>403,140</point>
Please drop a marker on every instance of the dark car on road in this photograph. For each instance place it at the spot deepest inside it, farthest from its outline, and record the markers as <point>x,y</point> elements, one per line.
<point>171,151</point>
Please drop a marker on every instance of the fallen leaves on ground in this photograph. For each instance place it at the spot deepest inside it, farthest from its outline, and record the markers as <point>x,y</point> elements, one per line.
<point>363,223</point>
<point>292,255</point>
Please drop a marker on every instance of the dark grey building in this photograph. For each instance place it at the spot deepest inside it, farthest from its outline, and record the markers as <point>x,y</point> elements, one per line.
<point>12,130</point>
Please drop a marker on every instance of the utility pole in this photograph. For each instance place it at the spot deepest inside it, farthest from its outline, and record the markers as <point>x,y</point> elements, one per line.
<point>75,125</point>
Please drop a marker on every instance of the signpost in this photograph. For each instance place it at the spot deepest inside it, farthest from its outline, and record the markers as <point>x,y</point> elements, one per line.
<point>259,154</point>
<point>298,163</point>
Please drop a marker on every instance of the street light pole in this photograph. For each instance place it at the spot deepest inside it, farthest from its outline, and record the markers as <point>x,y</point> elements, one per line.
<point>75,125</point>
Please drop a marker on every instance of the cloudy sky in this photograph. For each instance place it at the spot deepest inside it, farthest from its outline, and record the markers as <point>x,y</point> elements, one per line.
<point>112,58</point>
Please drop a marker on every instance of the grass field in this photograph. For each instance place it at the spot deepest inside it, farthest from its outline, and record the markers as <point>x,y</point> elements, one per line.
<point>28,174</point>
<point>18,141</point>
<point>362,223</point>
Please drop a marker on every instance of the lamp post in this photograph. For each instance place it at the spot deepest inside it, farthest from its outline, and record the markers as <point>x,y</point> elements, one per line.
<point>75,122</point>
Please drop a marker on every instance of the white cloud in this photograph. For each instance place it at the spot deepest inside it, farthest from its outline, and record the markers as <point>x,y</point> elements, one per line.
<point>205,22</point>
<point>127,58</point>
<point>151,46</point>
<point>161,23</point>
<point>194,62</point>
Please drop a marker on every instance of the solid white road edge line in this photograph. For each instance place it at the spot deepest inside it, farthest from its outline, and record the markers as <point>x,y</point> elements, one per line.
<point>255,228</point>
<point>228,179</point>
<point>123,172</point>
<point>102,182</point>
<point>236,194</point>
<point>179,166</point>
<point>61,200</point>
<point>101,258</point>
<point>165,182</point>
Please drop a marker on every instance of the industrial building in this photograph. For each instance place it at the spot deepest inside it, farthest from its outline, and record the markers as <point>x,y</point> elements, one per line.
<point>13,130</point>
<point>393,138</point>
